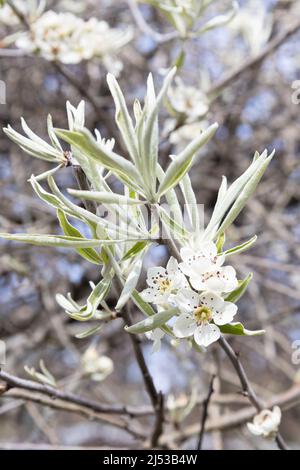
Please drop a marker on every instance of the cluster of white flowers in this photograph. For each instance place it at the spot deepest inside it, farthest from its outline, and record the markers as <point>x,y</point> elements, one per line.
<point>198,287</point>
<point>69,39</point>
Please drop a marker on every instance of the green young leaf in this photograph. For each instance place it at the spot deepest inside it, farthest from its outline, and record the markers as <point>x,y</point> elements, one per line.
<point>182,163</point>
<point>89,332</point>
<point>130,284</point>
<point>155,321</point>
<point>220,242</point>
<point>57,240</point>
<point>240,248</point>
<point>87,253</point>
<point>84,141</point>
<point>239,330</point>
<point>244,195</point>
<point>123,119</point>
<point>235,295</point>
<point>103,197</point>
<point>135,250</point>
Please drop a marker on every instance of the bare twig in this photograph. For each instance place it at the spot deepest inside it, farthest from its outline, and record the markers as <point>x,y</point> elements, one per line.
<point>246,385</point>
<point>146,29</point>
<point>205,412</point>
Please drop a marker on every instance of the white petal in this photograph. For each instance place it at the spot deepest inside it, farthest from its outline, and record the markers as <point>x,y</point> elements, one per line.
<point>197,282</point>
<point>184,326</point>
<point>228,274</point>
<point>187,300</point>
<point>172,266</point>
<point>149,295</point>
<point>154,274</point>
<point>186,268</point>
<point>186,253</point>
<point>256,430</point>
<point>209,249</point>
<point>215,283</point>
<point>207,334</point>
<point>212,300</point>
<point>276,413</point>
<point>224,316</point>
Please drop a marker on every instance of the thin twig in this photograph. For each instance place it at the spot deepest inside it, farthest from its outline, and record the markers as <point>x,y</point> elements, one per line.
<point>246,385</point>
<point>205,412</point>
<point>255,61</point>
<point>146,29</point>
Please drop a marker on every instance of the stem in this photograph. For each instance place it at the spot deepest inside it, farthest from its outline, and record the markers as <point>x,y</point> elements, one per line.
<point>205,412</point>
<point>248,390</point>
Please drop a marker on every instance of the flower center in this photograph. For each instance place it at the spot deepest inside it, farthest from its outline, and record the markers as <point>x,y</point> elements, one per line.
<point>165,285</point>
<point>202,314</point>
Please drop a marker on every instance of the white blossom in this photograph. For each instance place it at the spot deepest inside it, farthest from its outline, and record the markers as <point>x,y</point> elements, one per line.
<point>205,270</point>
<point>201,314</point>
<point>187,100</point>
<point>155,336</point>
<point>163,283</point>
<point>266,423</point>
<point>97,366</point>
<point>69,39</point>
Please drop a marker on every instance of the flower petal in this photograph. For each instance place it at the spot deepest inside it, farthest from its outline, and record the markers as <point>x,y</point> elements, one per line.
<point>154,274</point>
<point>172,266</point>
<point>207,334</point>
<point>226,314</point>
<point>187,300</point>
<point>184,326</point>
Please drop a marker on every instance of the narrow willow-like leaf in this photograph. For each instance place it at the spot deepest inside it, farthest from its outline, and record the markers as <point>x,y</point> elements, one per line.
<point>182,163</point>
<point>57,240</point>
<point>89,332</point>
<point>135,250</point>
<point>85,142</point>
<point>239,330</point>
<point>87,253</point>
<point>130,284</point>
<point>235,295</point>
<point>103,197</point>
<point>240,248</point>
<point>156,321</point>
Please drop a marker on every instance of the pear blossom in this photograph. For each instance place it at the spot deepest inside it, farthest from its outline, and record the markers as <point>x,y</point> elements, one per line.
<point>69,39</point>
<point>266,423</point>
<point>205,270</point>
<point>201,314</point>
<point>97,366</point>
<point>187,101</point>
<point>163,283</point>
<point>156,336</point>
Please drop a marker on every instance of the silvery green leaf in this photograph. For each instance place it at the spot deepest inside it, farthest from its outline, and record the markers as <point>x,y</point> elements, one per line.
<point>171,197</point>
<point>44,152</point>
<point>190,202</point>
<point>87,253</point>
<point>182,163</point>
<point>176,230</point>
<point>88,311</point>
<point>130,284</point>
<point>123,118</point>
<point>227,197</point>
<point>54,140</point>
<point>150,137</point>
<point>103,197</point>
<point>155,321</point>
<point>238,293</point>
<point>85,142</point>
<point>76,116</point>
<point>240,248</point>
<point>44,377</point>
<point>48,173</point>
<point>239,330</point>
<point>148,310</point>
<point>135,250</point>
<point>89,332</point>
<point>220,20</point>
<point>244,195</point>
<point>220,242</point>
<point>57,240</point>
